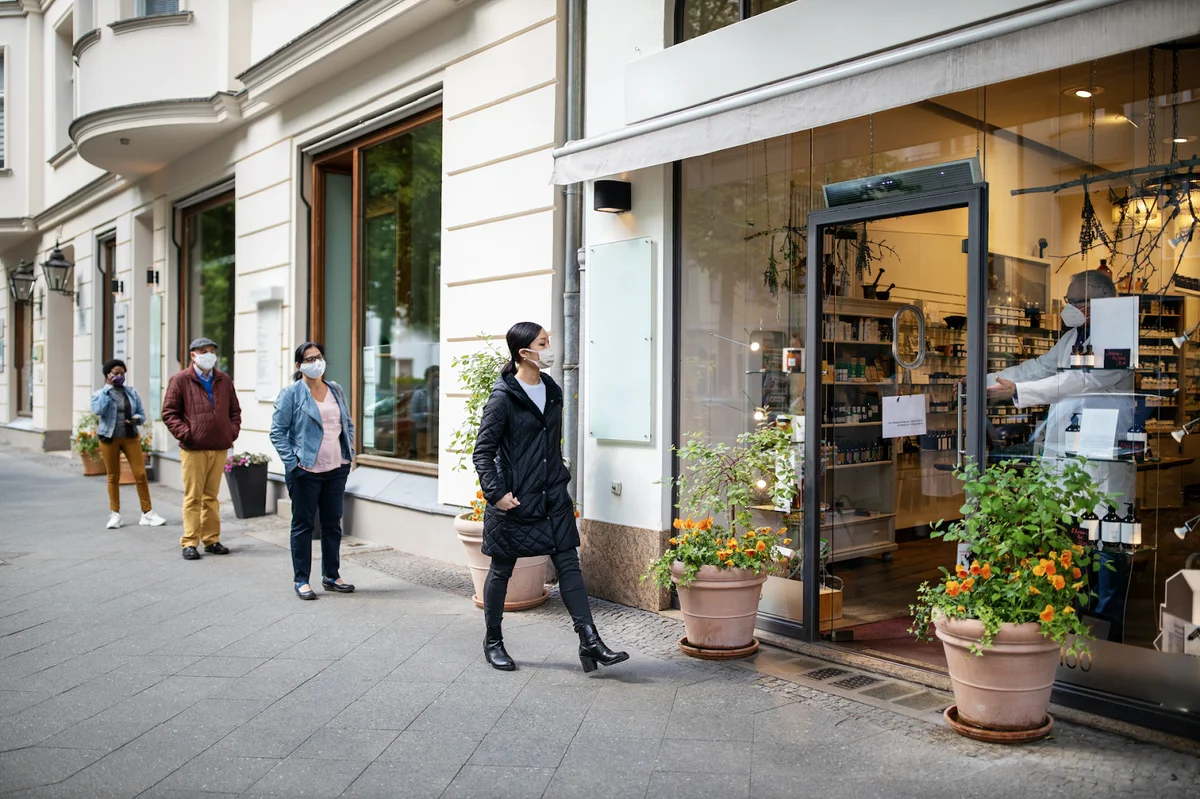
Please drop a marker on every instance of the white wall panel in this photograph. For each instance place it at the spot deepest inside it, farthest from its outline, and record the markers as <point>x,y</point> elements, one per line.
<point>512,66</point>
<point>264,168</point>
<point>497,306</point>
<point>268,207</point>
<point>514,126</point>
<point>266,248</point>
<point>509,187</point>
<point>520,244</point>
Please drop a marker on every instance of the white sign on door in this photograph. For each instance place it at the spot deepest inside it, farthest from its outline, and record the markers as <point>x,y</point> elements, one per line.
<point>903,416</point>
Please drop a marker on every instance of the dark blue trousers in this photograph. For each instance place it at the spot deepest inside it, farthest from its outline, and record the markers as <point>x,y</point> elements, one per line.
<point>313,494</point>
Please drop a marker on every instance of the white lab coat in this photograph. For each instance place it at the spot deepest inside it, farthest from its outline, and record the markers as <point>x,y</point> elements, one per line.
<point>1040,383</point>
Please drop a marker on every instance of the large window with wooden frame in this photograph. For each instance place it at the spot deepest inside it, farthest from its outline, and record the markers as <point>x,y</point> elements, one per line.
<point>376,286</point>
<point>209,277</point>
<point>105,297</point>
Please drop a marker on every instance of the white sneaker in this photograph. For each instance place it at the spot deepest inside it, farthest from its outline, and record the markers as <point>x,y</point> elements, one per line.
<point>152,519</point>
<point>114,521</point>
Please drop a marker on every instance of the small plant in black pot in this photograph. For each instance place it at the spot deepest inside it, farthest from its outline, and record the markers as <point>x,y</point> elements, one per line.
<point>246,476</point>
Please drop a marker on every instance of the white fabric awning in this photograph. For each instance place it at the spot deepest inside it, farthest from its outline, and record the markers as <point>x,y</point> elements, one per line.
<point>1037,41</point>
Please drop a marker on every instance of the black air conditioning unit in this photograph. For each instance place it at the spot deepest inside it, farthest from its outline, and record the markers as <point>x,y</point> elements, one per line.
<point>951,175</point>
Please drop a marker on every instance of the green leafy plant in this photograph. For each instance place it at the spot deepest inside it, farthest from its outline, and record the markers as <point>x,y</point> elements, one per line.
<point>146,441</point>
<point>84,439</point>
<point>717,486</point>
<point>477,373</point>
<point>1025,567</point>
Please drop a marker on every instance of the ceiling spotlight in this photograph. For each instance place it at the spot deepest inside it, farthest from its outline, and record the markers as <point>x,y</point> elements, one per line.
<point>1185,430</point>
<point>1179,341</point>
<point>762,484</point>
<point>1180,532</point>
<point>1178,139</point>
<point>1084,92</point>
<point>754,346</point>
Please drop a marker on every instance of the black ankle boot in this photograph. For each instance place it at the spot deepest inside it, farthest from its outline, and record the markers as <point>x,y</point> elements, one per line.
<point>493,650</point>
<point>593,651</point>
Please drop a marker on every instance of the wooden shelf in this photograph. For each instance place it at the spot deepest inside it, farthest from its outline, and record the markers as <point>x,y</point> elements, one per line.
<point>852,341</point>
<point>850,521</point>
<point>858,465</point>
<point>861,552</point>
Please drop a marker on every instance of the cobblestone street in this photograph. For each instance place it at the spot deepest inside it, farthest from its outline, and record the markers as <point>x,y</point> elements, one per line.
<point>126,671</point>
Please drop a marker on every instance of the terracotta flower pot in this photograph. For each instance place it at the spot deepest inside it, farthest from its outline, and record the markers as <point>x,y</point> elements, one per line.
<point>526,587</point>
<point>1006,688</point>
<point>720,606</point>
<point>93,464</point>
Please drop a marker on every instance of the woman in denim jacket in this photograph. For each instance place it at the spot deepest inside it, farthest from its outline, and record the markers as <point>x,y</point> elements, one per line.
<point>121,413</point>
<point>314,436</point>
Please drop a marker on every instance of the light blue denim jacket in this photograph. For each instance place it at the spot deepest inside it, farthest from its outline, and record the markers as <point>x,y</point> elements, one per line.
<point>296,429</point>
<point>104,406</point>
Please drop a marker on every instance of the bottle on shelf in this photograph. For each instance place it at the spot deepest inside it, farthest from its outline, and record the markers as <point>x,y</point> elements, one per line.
<point>1089,358</point>
<point>1076,356</point>
<point>1131,528</point>
<point>1137,441</point>
<point>1110,527</point>
<point>1091,523</point>
<point>1073,434</point>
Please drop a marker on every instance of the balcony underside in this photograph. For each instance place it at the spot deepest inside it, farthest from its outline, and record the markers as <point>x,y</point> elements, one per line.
<point>136,140</point>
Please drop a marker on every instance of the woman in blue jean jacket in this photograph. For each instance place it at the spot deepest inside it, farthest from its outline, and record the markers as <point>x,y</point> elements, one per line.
<point>314,436</point>
<point>121,414</point>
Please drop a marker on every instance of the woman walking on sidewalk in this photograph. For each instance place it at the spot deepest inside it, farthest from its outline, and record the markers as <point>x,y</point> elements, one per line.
<point>121,414</point>
<point>314,436</point>
<point>518,456</point>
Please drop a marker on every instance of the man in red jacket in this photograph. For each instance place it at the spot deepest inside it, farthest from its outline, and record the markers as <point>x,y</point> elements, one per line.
<point>201,410</point>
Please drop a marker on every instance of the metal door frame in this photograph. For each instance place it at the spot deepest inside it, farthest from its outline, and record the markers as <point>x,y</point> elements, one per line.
<point>974,199</point>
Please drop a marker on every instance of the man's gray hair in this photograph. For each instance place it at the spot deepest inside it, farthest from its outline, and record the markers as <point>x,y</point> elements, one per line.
<point>1096,284</point>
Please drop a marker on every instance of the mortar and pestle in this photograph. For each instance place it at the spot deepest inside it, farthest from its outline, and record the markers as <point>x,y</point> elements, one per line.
<point>886,293</point>
<point>869,291</point>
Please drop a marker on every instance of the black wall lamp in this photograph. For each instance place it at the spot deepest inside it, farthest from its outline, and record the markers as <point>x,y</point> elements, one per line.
<point>151,277</point>
<point>117,286</point>
<point>612,196</point>
<point>20,283</point>
<point>58,270</point>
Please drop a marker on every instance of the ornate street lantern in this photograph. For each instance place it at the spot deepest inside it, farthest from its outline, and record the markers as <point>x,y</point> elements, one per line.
<point>58,272</point>
<point>20,282</point>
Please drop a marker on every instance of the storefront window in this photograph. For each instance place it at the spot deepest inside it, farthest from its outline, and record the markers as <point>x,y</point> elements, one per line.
<point>698,17</point>
<point>743,229</point>
<point>379,206</point>
<point>209,266</point>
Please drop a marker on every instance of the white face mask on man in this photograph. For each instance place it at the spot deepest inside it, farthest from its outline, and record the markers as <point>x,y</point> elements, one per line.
<point>543,359</point>
<point>206,361</point>
<point>1072,316</point>
<point>313,370</point>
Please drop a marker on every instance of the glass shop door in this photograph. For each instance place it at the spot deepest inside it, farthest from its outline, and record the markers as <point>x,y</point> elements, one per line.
<point>897,345</point>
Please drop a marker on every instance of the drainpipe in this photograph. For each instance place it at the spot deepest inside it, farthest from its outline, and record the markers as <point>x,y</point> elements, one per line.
<point>572,242</point>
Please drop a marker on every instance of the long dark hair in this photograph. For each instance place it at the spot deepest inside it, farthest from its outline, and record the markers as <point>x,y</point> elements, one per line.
<point>303,348</point>
<point>519,337</point>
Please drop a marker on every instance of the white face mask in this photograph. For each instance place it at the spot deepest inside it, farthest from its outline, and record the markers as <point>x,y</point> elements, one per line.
<point>544,359</point>
<point>1072,316</point>
<point>313,370</point>
<point>206,361</point>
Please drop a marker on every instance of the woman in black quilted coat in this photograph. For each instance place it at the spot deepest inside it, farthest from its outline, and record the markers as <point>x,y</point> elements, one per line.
<point>518,455</point>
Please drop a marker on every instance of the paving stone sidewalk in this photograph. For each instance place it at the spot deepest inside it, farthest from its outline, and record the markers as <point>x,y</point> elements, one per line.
<point>126,671</point>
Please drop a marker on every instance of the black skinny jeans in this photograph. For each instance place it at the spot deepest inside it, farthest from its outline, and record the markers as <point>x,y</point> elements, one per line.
<point>323,493</point>
<point>570,587</point>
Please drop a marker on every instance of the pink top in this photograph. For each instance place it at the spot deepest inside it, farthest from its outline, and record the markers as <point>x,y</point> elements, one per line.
<point>329,456</point>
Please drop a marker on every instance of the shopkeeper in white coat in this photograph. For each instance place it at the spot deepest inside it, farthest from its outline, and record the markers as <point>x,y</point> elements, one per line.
<point>1038,381</point>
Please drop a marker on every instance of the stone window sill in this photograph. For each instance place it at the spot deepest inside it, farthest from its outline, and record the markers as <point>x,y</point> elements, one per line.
<point>155,21</point>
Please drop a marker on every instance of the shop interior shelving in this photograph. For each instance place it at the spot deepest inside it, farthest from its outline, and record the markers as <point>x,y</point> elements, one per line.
<point>1161,373</point>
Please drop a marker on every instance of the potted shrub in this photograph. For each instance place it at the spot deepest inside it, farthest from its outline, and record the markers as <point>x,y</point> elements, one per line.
<point>86,441</point>
<point>246,476</point>
<point>527,586</point>
<point>1005,614</point>
<point>719,559</point>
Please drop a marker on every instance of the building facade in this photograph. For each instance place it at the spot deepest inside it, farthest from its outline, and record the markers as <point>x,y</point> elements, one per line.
<point>837,206</point>
<point>372,175</point>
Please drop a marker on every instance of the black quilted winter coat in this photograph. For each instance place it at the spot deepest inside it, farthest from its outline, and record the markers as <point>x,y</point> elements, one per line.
<point>519,449</point>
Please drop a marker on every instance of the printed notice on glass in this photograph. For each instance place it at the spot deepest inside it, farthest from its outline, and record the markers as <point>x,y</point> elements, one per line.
<point>903,416</point>
<point>1098,433</point>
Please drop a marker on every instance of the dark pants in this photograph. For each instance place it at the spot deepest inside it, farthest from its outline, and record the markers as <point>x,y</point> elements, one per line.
<point>313,494</point>
<point>570,587</point>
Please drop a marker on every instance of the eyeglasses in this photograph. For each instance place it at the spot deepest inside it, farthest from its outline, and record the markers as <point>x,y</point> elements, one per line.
<point>1076,303</point>
<point>313,359</point>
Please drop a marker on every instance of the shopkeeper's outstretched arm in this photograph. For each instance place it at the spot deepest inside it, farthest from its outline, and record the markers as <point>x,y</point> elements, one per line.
<point>1060,385</point>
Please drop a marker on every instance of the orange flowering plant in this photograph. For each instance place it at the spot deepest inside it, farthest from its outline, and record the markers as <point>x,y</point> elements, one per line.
<point>85,440</point>
<point>1023,564</point>
<point>718,484</point>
